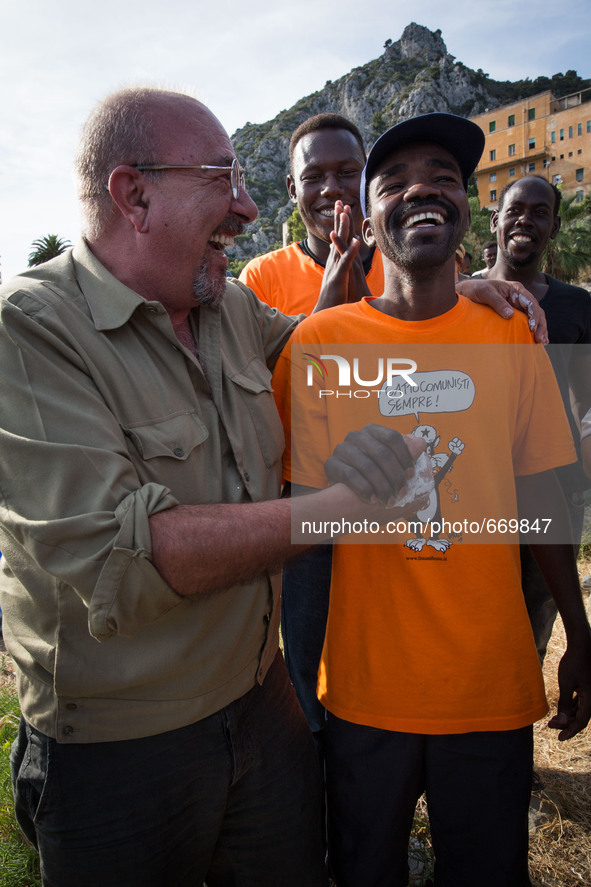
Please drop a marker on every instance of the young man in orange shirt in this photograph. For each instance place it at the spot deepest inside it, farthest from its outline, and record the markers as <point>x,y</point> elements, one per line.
<point>429,672</point>
<point>327,157</point>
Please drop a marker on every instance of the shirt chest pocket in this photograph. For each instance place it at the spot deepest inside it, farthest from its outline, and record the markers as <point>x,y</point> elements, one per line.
<point>174,437</point>
<point>252,389</point>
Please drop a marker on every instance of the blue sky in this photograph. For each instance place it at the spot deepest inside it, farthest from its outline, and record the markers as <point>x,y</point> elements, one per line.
<point>246,60</point>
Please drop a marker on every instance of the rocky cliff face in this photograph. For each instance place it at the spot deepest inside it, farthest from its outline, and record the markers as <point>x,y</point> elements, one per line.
<point>415,75</point>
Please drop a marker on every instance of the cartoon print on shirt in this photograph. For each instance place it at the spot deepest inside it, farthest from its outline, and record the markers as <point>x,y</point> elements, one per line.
<point>442,463</point>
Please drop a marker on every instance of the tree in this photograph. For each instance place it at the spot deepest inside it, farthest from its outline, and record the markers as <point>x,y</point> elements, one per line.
<point>46,248</point>
<point>295,227</point>
<point>568,256</point>
<point>479,232</point>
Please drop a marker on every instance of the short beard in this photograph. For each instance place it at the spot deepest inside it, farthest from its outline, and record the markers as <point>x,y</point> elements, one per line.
<point>413,259</point>
<point>208,291</point>
<point>517,264</point>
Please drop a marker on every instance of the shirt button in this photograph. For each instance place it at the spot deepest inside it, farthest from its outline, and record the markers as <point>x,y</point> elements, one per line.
<point>71,706</point>
<point>178,451</point>
<point>68,730</point>
<point>151,309</point>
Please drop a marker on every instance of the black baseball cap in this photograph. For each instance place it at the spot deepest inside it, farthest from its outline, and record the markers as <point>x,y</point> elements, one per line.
<point>462,138</point>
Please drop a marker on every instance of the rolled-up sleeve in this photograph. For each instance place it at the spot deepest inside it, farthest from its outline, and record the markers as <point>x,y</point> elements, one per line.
<point>74,509</point>
<point>119,603</point>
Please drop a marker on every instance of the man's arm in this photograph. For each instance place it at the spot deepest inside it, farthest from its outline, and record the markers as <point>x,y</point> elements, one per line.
<point>503,296</point>
<point>579,378</point>
<point>540,496</point>
<point>205,548</point>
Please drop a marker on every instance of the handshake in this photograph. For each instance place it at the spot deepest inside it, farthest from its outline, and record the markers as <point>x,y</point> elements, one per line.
<point>376,474</point>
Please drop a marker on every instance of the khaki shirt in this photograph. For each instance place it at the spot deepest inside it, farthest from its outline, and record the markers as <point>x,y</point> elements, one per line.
<point>105,419</point>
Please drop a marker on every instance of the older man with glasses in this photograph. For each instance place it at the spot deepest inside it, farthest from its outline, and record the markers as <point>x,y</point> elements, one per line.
<point>161,741</point>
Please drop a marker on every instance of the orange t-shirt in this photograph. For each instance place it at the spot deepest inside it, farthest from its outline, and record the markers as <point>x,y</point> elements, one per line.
<point>288,279</point>
<point>428,634</point>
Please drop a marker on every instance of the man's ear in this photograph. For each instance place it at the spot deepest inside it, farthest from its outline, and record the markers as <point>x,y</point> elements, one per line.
<point>367,233</point>
<point>291,188</point>
<point>127,187</point>
<point>494,221</point>
<point>555,227</point>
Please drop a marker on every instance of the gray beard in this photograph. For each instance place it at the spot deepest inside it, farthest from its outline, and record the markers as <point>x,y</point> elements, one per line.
<point>209,290</point>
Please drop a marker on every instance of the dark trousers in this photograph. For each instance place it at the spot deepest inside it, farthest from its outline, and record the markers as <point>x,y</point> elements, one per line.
<point>478,790</point>
<point>232,800</point>
<point>305,594</point>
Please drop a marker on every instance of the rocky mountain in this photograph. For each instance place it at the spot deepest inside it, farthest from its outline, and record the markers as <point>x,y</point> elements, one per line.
<point>414,75</point>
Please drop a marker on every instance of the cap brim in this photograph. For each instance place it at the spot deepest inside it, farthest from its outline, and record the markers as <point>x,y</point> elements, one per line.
<point>458,135</point>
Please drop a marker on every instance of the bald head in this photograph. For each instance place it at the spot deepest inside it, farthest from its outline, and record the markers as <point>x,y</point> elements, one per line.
<point>127,127</point>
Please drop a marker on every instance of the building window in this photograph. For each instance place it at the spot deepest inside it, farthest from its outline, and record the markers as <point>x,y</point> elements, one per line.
<point>580,175</point>
<point>493,196</point>
<point>493,176</point>
<point>589,126</point>
<point>570,132</point>
<point>531,114</point>
<point>511,150</point>
<point>492,126</point>
<point>511,172</point>
<point>531,144</point>
<point>562,135</point>
<point>493,154</point>
<point>570,153</point>
<point>553,136</point>
<point>562,156</point>
<point>511,120</point>
<point>580,151</point>
<point>579,196</point>
<point>531,167</point>
<point>579,129</point>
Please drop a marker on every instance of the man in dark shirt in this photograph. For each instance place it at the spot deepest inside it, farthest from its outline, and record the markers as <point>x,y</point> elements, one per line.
<point>527,218</point>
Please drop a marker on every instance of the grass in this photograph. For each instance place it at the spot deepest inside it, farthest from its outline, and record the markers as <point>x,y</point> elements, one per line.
<point>19,863</point>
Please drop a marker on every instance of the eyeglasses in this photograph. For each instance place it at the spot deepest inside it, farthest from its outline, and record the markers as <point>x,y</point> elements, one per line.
<point>236,173</point>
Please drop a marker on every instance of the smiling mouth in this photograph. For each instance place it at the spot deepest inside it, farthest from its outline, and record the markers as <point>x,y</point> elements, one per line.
<point>220,241</point>
<point>423,220</point>
<point>522,238</point>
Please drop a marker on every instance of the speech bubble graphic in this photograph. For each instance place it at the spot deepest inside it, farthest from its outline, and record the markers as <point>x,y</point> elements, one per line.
<point>437,391</point>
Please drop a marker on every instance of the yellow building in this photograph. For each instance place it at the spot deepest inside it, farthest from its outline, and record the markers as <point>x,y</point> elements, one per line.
<point>544,135</point>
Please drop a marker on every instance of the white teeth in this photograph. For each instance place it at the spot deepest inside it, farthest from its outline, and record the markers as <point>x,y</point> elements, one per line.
<point>328,213</point>
<point>223,239</point>
<point>522,238</point>
<point>435,218</point>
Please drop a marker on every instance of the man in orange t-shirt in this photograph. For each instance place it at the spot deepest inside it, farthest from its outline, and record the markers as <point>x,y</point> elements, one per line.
<point>429,672</point>
<point>326,162</point>
<point>326,157</point>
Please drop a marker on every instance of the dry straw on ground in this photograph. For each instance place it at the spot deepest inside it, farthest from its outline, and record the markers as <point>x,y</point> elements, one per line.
<point>560,846</point>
